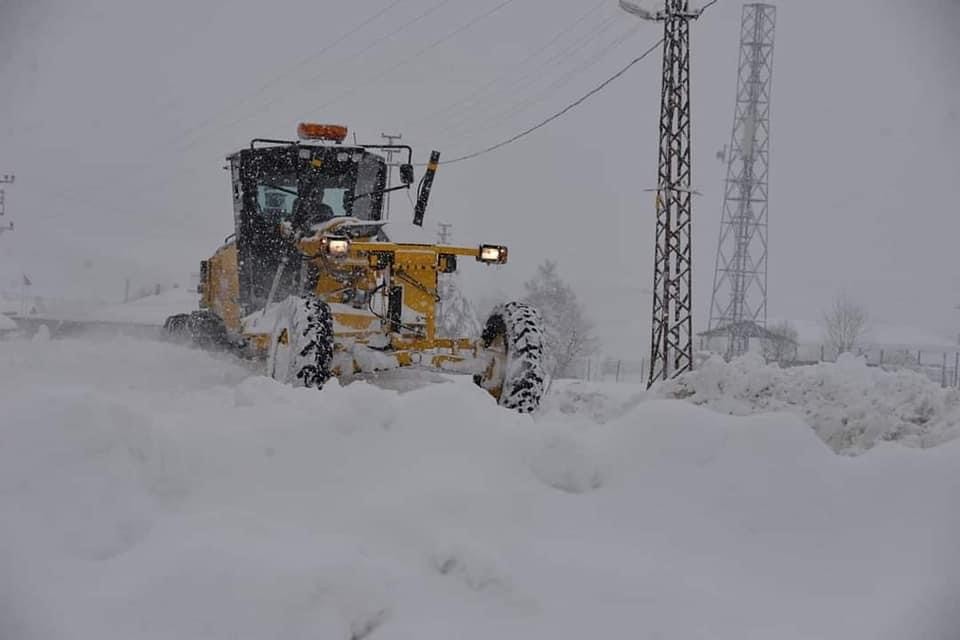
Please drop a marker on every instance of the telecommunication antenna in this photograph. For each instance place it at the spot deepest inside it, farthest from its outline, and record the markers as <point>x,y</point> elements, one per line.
<point>5,179</point>
<point>738,306</point>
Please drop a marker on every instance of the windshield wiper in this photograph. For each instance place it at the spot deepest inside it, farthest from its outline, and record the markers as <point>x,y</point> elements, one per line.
<point>284,189</point>
<point>378,192</point>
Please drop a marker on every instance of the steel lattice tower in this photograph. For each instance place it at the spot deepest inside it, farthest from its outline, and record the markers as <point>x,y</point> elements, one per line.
<point>671,344</point>
<point>5,179</point>
<point>738,306</point>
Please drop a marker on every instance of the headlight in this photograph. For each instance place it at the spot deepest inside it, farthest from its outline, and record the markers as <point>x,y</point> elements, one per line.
<point>492,254</point>
<point>336,247</point>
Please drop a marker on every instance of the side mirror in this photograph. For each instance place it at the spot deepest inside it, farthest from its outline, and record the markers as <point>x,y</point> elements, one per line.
<point>406,173</point>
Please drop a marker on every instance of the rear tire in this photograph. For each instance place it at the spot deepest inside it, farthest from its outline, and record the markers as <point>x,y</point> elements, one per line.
<point>204,329</point>
<point>518,327</point>
<point>302,347</point>
<point>177,326</point>
<point>208,330</point>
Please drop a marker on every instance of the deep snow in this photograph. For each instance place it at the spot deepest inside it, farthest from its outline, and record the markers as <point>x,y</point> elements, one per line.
<point>154,491</point>
<point>150,310</point>
<point>851,406</point>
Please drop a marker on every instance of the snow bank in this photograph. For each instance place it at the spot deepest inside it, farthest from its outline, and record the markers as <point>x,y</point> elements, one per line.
<point>153,491</point>
<point>600,402</point>
<point>149,310</point>
<point>851,406</point>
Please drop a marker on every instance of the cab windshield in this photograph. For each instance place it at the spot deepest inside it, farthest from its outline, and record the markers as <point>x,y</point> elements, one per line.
<point>330,183</point>
<point>276,201</point>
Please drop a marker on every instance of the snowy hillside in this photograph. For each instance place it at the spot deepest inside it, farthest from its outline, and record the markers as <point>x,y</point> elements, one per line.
<point>153,491</point>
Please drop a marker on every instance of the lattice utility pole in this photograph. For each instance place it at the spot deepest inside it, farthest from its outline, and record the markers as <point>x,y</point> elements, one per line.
<point>5,179</point>
<point>671,342</point>
<point>444,235</point>
<point>443,232</point>
<point>738,306</point>
<point>391,139</point>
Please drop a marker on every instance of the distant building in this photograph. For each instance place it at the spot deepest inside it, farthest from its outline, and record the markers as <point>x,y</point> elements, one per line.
<point>718,340</point>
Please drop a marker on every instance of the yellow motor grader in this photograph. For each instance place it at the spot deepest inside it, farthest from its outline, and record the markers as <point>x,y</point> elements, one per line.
<point>310,284</point>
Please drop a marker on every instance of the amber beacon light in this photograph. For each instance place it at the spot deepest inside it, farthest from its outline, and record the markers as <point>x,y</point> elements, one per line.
<point>314,131</point>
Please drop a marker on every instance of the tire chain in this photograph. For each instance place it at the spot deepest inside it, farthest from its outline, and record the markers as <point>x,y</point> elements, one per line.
<point>524,387</point>
<point>318,349</point>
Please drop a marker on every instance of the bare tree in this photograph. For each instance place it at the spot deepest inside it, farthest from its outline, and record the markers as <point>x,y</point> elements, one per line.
<point>568,331</point>
<point>845,324</point>
<point>780,345</point>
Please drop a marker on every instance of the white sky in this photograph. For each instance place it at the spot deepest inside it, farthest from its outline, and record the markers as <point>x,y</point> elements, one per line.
<point>117,115</point>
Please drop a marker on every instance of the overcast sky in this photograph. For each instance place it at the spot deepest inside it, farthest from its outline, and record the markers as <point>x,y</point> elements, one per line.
<point>116,116</point>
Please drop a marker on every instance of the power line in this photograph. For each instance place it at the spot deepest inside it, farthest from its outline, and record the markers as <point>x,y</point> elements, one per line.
<point>170,176</point>
<point>572,105</point>
<point>534,74</point>
<point>416,55</point>
<point>389,36</point>
<point>558,83</point>
<point>479,91</point>
<point>373,45</point>
<point>211,121</point>
<point>560,113</point>
<point>290,70</point>
<point>166,179</point>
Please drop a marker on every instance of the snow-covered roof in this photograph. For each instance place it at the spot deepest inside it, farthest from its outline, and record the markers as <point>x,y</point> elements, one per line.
<point>751,329</point>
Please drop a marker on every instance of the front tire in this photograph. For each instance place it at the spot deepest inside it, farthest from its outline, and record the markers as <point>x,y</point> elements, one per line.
<point>514,332</point>
<point>301,350</point>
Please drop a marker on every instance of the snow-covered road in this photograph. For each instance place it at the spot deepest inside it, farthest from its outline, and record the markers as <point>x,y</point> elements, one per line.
<point>153,491</point>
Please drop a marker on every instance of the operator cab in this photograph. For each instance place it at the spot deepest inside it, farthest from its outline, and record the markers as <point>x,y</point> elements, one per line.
<point>277,181</point>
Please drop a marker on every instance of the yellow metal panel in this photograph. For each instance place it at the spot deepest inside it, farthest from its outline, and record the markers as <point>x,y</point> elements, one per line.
<point>221,291</point>
<point>358,322</point>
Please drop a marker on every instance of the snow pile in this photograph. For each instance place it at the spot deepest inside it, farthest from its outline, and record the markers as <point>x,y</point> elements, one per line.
<point>601,402</point>
<point>851,406</point>
<point>152,310</point>
<point>152,491</point>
